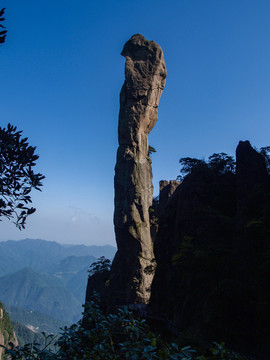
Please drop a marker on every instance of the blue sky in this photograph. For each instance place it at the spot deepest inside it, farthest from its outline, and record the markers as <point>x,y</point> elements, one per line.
<point>61,75</point>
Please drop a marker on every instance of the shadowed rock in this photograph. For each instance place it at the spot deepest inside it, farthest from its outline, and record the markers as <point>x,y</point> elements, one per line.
<point>252,181</point>
<point>166,190</point>
<point>212,252</point>
<point>134,263</point>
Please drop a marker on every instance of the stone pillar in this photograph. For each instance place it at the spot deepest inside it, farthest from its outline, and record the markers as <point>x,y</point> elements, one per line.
<point>133,266</point>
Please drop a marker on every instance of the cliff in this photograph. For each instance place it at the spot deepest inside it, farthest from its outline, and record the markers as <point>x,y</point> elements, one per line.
<point>6,331</point>
<point>212,252</point>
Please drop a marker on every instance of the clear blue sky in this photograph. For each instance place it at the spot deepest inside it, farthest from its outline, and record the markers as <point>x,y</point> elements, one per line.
<point>61,74</point>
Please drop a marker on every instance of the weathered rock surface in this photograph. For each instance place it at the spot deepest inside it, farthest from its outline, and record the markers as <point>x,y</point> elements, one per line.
<point>145,74</point>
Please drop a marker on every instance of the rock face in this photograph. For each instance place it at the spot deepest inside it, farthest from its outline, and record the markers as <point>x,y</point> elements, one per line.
<point>145,74</point>
<point>6,331</point>
<point>212,253</point>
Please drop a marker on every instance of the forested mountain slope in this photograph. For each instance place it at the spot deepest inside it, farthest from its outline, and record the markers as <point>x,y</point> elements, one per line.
<point>33,319</point>
<point>41,292</point>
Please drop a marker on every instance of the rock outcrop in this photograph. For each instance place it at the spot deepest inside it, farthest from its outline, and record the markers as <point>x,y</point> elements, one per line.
<point>212,253</point>
<point>7,334</point>
<point>252,184</point>
<point>166,190</point>
<point>132,268</point>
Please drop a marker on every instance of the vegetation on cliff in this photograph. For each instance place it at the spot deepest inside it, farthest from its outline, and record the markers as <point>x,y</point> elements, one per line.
<point>6,327</point>
<point>6,330</point>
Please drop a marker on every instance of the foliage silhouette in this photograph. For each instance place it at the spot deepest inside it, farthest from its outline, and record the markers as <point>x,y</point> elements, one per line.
<point>17,178</point>
<point>114,336</point>
<point>220,164</point>
<point>151,150</point>
<point>2,32</point>
<point>102,264</point>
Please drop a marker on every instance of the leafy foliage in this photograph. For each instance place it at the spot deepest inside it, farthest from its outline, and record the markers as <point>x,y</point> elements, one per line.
<point>102,264</point>
<point>17,178</point>
<point>2,32</point>
<point>115,336</point>
<point>220,164</point>
<point>189,165</point>
<point>151,150</point>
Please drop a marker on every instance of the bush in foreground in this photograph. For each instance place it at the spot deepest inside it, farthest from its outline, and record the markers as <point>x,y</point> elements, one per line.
<point>116,336</point>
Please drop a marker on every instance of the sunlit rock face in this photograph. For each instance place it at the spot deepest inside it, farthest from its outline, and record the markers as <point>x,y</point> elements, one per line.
<point>134,263</point>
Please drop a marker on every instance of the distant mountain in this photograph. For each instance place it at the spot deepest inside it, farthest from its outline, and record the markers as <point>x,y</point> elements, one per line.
<point>67,268</point>
<point>40,292</point>
<point>42,255</point>
<point>26,335</point>
<point>72,271</point>
<point>78,283</point>
<point>46,277</point>
<point>97,251</point>
<point>35,320</point>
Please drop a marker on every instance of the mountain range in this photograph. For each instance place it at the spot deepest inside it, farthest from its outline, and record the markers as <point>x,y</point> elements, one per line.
<point>47,279</point>
<point>42,255</point>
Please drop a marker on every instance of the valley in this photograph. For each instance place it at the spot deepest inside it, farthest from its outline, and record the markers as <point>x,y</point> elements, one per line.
<point>43,284</point>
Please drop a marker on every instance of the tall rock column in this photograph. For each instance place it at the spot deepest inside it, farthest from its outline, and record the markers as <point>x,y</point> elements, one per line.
<point>134,263</point>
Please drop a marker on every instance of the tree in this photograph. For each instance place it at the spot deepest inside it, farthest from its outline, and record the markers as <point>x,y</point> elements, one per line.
<point>219,164</point>
<point>2,32</point>
<point>189,165</point>
<point>151,150</point>
<point>222,163</point>
<point>17,178</point>
<point>102,264</point>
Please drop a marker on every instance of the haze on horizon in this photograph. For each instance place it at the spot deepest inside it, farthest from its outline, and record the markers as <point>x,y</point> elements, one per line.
<point>61,75</point>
